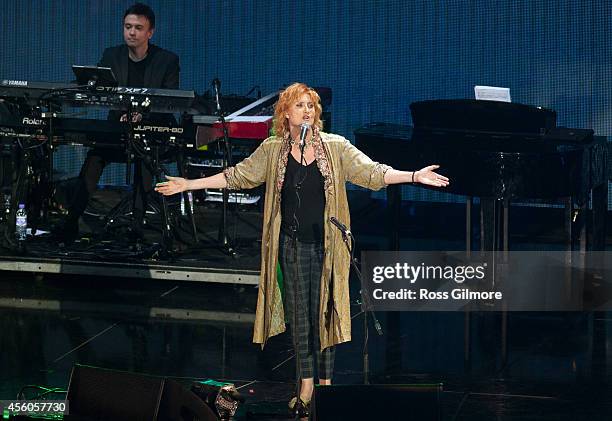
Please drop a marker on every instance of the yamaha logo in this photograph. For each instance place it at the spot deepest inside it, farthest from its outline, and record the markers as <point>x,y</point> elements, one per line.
<point>6,82</point>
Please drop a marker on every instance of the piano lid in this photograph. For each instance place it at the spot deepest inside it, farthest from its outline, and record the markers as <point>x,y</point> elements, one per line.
<point>482,116</point>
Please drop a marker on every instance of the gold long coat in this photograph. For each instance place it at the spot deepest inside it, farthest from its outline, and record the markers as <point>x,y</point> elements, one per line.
<point>339,161</point>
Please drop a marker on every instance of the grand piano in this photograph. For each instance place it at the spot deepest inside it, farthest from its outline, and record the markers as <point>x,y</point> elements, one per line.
<point>498,152</point>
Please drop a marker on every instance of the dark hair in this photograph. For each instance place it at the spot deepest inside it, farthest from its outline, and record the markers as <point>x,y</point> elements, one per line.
<point>141,10</point>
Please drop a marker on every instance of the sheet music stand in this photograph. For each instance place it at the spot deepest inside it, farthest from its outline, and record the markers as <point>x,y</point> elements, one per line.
<point>93,76</point>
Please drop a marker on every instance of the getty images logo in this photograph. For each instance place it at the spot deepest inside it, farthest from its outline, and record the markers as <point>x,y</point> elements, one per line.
<point>412,273</point>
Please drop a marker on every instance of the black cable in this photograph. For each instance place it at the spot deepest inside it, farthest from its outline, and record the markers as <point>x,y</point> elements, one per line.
<point>45,391</point>
<point>16,192</point>
<point>37,145</point>
<point>59,91</point>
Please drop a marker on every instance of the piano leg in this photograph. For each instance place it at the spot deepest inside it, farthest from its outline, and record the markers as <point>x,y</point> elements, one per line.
<point>393,345</point>
<point>505,215</point>
<point>598,221</point>
<point>583,228</point>
<point>467,345</point>
<point>494,236</point>
<point>468,223</point>
<point>568,216</point>
<point>467,348</point>
<point>488,224</point>
<point>504,339</point>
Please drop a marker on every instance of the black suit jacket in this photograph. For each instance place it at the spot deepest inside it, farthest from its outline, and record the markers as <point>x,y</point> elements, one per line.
<point>162,70</point>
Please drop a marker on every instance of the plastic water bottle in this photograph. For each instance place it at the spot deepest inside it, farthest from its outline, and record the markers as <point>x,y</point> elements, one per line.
<point>190,199</point>
<point>21,223</point>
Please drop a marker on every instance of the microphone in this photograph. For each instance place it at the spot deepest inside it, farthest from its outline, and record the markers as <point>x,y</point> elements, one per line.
<point>340,226</point>
<point>303,132</point>
<point>216,83</point>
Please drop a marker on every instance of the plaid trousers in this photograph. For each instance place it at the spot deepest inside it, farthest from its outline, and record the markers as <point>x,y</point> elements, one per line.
<point>302,280</point>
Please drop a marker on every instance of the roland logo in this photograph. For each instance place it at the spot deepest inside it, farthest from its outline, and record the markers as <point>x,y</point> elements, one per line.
<point>30,121</point>
<point>14,83</point>
<point>158,129</point>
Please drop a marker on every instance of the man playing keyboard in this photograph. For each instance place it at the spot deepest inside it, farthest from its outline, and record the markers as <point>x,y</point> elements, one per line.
<point>136,63</point>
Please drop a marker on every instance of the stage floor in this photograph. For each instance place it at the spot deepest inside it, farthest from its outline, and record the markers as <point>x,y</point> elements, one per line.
<point>105,249</point>
<point>558,365</point>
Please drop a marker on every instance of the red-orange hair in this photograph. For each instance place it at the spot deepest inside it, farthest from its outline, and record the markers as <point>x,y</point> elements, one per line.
<point>289,96</point>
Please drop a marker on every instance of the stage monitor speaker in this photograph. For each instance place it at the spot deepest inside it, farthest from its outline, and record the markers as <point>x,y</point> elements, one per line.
<point>376,402</point>
<point>102,394</point>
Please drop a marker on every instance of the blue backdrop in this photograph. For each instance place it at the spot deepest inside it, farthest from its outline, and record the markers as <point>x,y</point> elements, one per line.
<point>377,56</point>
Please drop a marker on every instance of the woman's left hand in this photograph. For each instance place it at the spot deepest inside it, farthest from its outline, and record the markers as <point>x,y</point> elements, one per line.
<point>429,177</point>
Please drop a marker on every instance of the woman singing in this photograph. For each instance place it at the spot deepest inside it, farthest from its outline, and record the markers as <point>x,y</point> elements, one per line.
<point>305,186</point>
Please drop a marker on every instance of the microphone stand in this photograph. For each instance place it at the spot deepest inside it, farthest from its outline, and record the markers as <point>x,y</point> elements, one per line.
<point>300,177</point>
<point>298,185</point>
<point>366,305</point>
<point>227,162</point>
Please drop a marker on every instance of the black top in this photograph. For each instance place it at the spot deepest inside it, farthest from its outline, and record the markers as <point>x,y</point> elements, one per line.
<point>309,209</point>
<point>136,72</point>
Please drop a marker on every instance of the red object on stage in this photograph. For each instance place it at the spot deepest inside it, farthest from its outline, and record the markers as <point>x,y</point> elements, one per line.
<point>252,122</point>
<point>255,128</point>
<point>249,122</point>
<point>246,129</point>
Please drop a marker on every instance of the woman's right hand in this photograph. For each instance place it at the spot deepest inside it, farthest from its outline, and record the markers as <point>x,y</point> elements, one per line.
<point>172,186</point>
